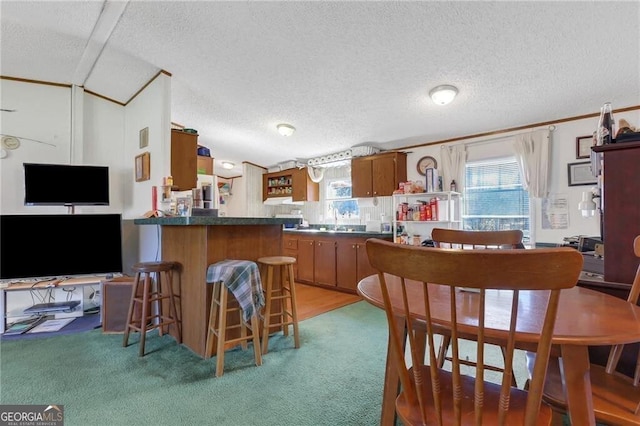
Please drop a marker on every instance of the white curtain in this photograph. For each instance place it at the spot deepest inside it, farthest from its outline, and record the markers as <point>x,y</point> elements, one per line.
<point>532,155</point>
<point>453,160</point>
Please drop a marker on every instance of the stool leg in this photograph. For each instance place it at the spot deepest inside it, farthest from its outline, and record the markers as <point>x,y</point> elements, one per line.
<point>173,308</point>
<point>165,290</point>
<point>127,328</point>
<point>255,331</point>
<point>145,308</point>
<point>285,294</point>
<point>294,307</point>
<point>243,332</point>
<point>267,310</point>
<point>222,331</point>
<point>213,318</point>
<point>156,292</point>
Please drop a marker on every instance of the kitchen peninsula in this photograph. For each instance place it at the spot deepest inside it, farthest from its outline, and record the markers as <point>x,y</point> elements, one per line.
<point>198,241</point>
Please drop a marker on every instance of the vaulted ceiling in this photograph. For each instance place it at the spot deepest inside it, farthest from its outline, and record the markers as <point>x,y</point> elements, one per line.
<point>343,73</point>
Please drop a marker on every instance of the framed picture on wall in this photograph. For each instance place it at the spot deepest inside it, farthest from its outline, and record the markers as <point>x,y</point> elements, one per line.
<point>583,146</point>
<point>580,174</point>
<point>143,167</point>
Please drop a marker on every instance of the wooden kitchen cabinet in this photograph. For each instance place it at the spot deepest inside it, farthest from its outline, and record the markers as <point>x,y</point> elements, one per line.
<point>294,183</point>
<point>325,262</point>
<point>378,175</point>
<point>352,263</point>
<point>290,248</point>
<point>204,165</point>
<point>338,261</point>
<point>306,261</point>
<point>317,261</point>
<point>184,159</point>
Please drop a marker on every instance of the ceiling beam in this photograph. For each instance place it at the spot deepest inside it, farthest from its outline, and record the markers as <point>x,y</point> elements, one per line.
<point>109,17</point>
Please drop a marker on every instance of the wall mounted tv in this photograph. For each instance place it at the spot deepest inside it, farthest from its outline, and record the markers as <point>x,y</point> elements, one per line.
<point>62,245</point>
<point>65,185</point>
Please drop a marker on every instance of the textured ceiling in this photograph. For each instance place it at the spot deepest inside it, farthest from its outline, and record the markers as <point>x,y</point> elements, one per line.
<point>343,73</point>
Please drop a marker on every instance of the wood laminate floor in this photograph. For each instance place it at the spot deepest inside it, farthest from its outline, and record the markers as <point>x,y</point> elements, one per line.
<point>312,300</point>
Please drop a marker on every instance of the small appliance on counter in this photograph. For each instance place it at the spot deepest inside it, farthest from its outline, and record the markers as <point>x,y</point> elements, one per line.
<point>386,223</point>
<point>293,214</point>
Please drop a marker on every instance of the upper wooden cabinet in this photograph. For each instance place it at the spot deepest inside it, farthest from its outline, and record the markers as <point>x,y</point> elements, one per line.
<point>378,175</point>
<point>204,165</point>
<point>294,183</point>
<point>184,154</point>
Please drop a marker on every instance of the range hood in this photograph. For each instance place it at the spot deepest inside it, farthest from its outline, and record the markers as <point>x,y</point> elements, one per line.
<point>276,201</point>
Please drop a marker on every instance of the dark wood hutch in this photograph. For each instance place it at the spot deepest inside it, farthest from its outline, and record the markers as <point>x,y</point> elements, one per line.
<point>621,209</point>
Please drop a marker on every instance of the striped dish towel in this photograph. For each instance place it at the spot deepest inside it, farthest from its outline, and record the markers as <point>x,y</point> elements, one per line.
<point>242,278</point>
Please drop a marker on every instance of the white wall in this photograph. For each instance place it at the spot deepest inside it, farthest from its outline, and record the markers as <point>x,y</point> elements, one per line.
<point>80,128</point>
<point>152,109</point>
<point>43,114</point>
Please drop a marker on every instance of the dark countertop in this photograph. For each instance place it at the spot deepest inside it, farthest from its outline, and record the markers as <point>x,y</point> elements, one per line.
<point>211,220</point>
<point>332,233</point>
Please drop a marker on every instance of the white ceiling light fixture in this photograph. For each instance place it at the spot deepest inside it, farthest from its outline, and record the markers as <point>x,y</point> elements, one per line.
<point>286,129</point>
<point>443,94</point>
<point>227,165</point>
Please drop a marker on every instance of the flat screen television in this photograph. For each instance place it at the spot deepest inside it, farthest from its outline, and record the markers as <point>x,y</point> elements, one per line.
<point>65,185</point>
<point>43,246</point>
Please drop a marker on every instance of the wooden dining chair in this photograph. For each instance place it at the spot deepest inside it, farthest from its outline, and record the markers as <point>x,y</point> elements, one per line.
<point>430,395</point>
<point>456,238</point>
<point>616,396</point>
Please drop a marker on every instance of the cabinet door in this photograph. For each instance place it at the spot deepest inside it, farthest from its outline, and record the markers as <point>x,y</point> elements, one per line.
<point>325,262</point>
<point>184,155</point>
<point>383,172</point>
<point>361,182</point>
<point>364,267</point>
<point>346,264</point>
<point>290,248</point>
<point>304,189</point>
<point>305,260</point>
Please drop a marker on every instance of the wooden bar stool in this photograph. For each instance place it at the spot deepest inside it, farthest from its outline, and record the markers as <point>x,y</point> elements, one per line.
<point>287,314</point>
<point>147,295</point>
<point>237,290</point>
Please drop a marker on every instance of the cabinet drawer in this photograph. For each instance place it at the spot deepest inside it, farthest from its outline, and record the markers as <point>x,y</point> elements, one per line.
<point>291,244</point>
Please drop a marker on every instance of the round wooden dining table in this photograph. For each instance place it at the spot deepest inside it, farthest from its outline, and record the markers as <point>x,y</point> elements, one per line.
<point>585,318</point>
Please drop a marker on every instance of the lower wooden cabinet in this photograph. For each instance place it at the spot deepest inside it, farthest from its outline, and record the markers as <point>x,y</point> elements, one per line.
<point>305,260</point>
<point>290,248</point>
<point>352,263</point>
<point>324,268</point>
<point>338,262</point>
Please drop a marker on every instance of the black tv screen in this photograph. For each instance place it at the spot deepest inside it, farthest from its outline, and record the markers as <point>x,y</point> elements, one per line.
<point>43,246</point>
<point>65,185</point>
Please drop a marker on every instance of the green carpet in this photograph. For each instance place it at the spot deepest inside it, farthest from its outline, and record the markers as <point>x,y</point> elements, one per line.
<point>334,378</point>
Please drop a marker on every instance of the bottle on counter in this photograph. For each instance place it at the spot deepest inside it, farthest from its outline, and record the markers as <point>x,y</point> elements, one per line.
<point>606,124</point>
<point>454,186</point>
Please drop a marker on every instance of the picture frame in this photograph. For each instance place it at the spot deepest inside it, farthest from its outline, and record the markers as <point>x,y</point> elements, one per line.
<point>580,174</point>
<point>142,167</point>
<point>583,146</point>
<point>144,137</point>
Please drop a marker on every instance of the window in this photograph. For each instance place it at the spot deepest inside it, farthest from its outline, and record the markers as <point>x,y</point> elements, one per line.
<point>494,198</point>
<point>339,204</point>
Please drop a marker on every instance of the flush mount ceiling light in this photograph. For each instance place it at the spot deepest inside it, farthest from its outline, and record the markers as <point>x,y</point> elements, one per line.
<point>286,129</point>
<point>227,165</point>
<point>444,94</point>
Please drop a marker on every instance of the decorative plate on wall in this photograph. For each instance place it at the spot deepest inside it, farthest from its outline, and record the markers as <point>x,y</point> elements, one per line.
<point>424,163</point>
